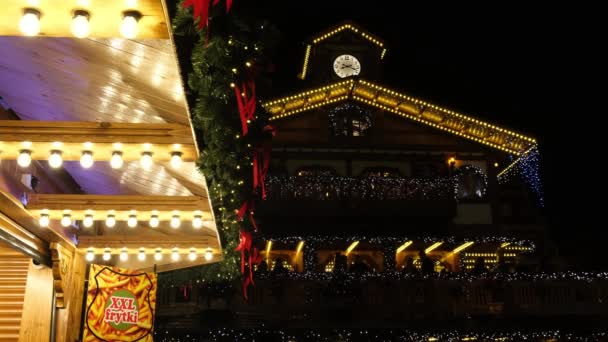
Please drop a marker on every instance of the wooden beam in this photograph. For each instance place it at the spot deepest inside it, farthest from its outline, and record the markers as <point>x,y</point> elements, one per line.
<point>102,138</point>
<point>122,205</point>
<point>105,17</point>
<point>150,242</point>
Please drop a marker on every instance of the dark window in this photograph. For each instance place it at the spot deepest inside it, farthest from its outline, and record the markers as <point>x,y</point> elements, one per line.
<point>382,172</point>
<point>349,120</point>
<point>316,171</point>
<point>471,182</point>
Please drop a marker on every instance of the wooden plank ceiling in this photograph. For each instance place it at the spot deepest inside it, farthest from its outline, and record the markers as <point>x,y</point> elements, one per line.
<point>105,90</point>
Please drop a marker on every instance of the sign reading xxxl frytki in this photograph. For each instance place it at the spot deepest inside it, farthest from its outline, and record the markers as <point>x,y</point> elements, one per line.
<point>120,305</point>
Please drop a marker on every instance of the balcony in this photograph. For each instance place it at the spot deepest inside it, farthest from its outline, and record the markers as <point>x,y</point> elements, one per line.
<point>342,196</point>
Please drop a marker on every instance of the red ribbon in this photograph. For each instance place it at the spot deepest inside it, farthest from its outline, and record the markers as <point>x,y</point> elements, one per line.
<point>245,245</point>
<point>246,103</point>
<point>201,11</point>
<point>247,208</point>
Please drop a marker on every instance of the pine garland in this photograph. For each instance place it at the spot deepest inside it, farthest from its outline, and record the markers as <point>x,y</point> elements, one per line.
<point>236,49</point>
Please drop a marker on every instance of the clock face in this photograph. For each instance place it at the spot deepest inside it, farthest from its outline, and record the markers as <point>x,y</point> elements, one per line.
<point>347,65</point>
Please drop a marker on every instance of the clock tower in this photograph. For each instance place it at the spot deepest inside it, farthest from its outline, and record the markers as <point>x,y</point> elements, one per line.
<point>343,51</point>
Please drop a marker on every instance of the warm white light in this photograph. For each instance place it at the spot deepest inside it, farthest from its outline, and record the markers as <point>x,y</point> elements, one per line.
<point>90,255</point>
<point>158,255</point>
<point>80,24</point>
<point>110,221</point>
<point>132,221</point>
<point>175,254</point>
<point>175,221</point>
<point>44,220</point>
<point>106,254</point>
<point>116,160</point>
<point>25,158</point>
<point>66,220</point>
<point>55,159</point>
<point>176,160</point>
<point>208,255</point>
<point>88,221</point>
<point>30,22</point>
<point>197,222</point>
<point>146,160</point>
<point>86,159</point>
<point>124,255</point>
<point>154,221</point>
<point>128,27</point>
<point>192,254</point>
<point>142,254</point>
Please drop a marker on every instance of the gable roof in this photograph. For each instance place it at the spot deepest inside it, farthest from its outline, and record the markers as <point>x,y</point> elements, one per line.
<point>342,27</point>
<point>406,106</point>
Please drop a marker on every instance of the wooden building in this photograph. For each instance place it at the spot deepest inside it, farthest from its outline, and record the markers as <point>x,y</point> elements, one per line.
<point>97,158</point>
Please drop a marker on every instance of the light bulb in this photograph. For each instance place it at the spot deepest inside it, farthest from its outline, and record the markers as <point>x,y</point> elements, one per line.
<point>208,255</point>
<point>154,221</point>
<point>124,255</point>
<point>197,222</point>
<point>128,27</point>
<point>55,159</point>
<point>146,160</point>
<point>30,22</point>
<point>44,220</point>
<point>192,254</point>
<point>110,221</point>
<point>176,160</point>
<point>90,255</point>
<point>86,159</point>
<point>25,158</point>
<point>175,254</point>
<point>158,255</point>
<point>142,254</point>
<point>88,221</point>
<point>175,221</point>
<point>106,254</point>
<point>80,24</point>
<point>66,220</point>
<point>116,160</point>
<point>132,221</point>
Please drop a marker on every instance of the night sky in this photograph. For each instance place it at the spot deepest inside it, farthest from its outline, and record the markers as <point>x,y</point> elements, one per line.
<point>505,65</point>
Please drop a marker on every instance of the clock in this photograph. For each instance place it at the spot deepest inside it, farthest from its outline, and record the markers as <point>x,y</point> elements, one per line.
<point>346,65</point>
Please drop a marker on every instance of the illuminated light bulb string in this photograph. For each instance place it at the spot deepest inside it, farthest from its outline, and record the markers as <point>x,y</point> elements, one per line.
<point>528,168</point>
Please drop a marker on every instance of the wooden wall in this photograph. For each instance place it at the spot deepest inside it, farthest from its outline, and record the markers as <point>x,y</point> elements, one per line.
<point>68,318</point>
<point>37,305</point>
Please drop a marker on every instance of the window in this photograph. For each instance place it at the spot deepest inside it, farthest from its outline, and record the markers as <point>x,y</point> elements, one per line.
<point>316,171</point>
<point>471,182</point>
<point>349,120</point>
<point>381,172</point>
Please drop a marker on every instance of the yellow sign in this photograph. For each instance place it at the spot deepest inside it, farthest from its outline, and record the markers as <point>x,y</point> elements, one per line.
<point>120,305</point>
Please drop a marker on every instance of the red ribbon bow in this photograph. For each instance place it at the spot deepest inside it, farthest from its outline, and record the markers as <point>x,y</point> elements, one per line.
<point>245,245</point>
<point>201,10</point>
<point>246,102</point>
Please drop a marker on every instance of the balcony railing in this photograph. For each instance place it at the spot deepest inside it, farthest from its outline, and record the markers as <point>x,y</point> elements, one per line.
<point>358,188</point>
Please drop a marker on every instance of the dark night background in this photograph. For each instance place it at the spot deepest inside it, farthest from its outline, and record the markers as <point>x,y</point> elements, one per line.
<point>508,65</point>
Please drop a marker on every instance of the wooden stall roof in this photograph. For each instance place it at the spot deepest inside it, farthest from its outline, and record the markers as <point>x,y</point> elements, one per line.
<point>104,90</point>
<point>425,113</point>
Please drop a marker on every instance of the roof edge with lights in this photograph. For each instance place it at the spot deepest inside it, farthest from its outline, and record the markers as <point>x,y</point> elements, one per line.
<point>403,105</point>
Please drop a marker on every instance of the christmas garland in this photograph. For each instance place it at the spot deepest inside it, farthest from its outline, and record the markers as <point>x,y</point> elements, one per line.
<point>227,69</point>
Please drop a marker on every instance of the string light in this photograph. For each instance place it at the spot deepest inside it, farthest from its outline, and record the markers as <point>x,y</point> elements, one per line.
<point>55,159</point>
<point>124,255</point>
<point>141,256</point>
<point>176,160</point>
<point>116,161</point>
<point>29,24</point>
<point>192,254</point>
<point>132,221</point>
<point>146,160</point>
<point>197,222</point>
<point>88,221</point>
<point>208,254</point>
<point>25,158</point>
<point>175,221</point>
<point>90,256</point>
<point>175,254</point>
<point>528,168</point>
<point>86,159</point>
<point>80,24</point>
<point>44,220</point>
<point>106,254</point>
<point>158,255</point>
<point>66,220</point>
<point>154,221</point>
<point>110,221</point>
<point>128,27</point>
